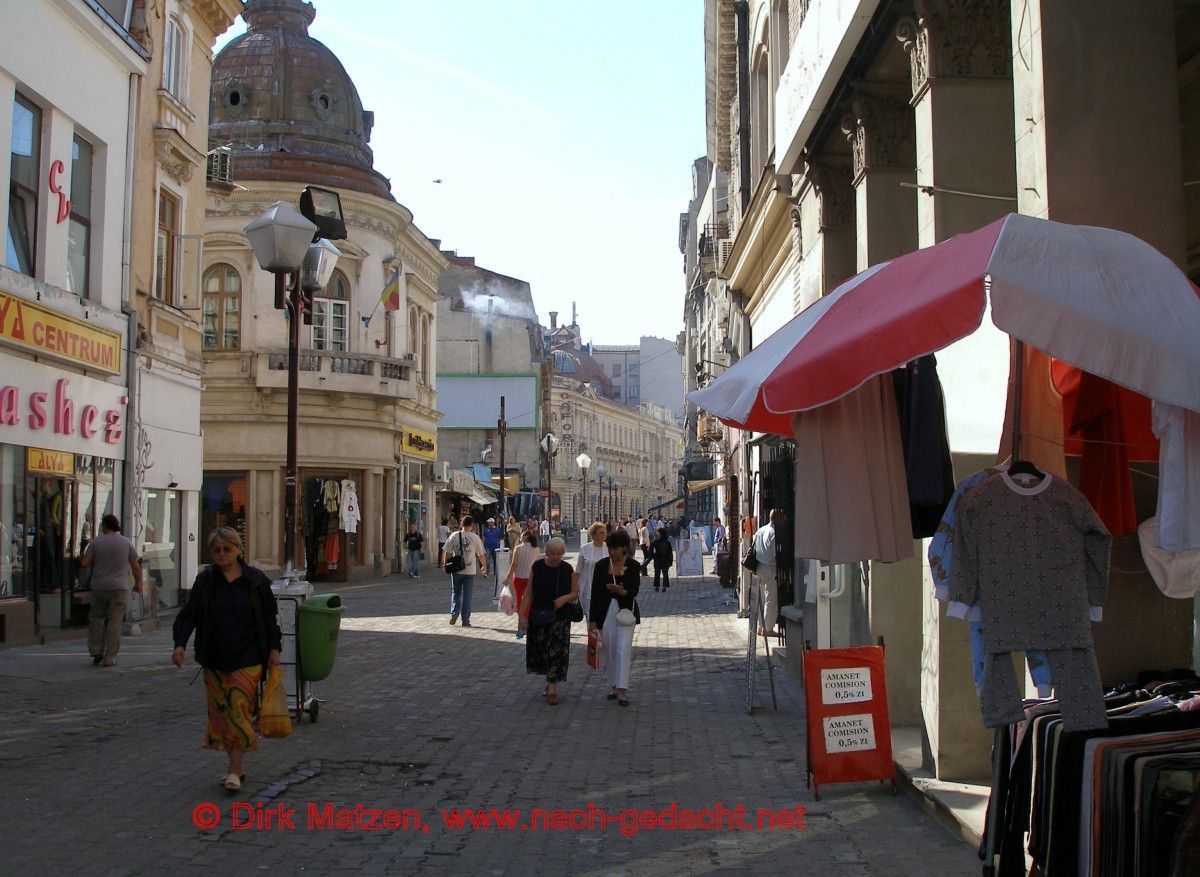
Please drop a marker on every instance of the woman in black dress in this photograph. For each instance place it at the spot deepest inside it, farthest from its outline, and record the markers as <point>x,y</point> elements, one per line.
<point>615,583</point>
<point>548,644</point>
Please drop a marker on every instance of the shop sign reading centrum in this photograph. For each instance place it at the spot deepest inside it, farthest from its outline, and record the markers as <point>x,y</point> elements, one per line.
<point>42,330</point>
<point>44,407</point>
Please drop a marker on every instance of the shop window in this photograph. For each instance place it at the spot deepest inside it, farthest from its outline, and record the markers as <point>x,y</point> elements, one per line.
<point>222,504</point>
<point>331,316</point>
<point>13,578</point>
<point>79,235</point>
<point>175,59</point>
<point>222,308</point>
<point>165,241</point>
<point>26,156</point>
<point>161,549</point>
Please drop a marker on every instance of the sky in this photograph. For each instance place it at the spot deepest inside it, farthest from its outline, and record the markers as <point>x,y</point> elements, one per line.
<point>563,133</point>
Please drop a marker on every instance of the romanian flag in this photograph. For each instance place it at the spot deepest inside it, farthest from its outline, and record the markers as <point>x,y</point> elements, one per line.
<point>390,298</point>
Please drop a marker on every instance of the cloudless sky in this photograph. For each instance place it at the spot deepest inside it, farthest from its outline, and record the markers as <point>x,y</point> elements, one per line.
<point>563,131</point>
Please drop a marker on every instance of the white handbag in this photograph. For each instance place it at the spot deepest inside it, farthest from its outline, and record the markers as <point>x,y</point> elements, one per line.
<point>625,618</point>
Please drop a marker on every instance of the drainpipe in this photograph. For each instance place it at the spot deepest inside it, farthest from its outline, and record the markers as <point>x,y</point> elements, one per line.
<point>741,11</point>
<point>129,480</point>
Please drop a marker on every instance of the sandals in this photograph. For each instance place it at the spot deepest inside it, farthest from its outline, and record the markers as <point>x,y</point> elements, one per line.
<point>612,695</point>
<point>623,702</point>
<point>233,783</point>
<point>552,699</point>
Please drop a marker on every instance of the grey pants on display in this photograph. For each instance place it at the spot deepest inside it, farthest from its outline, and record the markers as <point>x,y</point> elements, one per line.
<point>1076,685</point>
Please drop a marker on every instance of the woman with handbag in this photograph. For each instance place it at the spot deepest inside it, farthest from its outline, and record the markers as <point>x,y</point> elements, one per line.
<point>589,553</point>
<point>614,610</point>
<point>551,603</point>
<point>232,611</point>
<point>519,571</point>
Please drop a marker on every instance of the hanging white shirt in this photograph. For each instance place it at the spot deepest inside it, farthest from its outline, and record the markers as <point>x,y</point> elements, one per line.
<point>350,513</point>
<point>1178,432</point>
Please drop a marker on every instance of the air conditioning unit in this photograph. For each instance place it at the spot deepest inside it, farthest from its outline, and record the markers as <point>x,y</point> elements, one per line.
<point>724,248</point>
<point>220,166</point>
<point>408,359</point>
<point>441,472</point>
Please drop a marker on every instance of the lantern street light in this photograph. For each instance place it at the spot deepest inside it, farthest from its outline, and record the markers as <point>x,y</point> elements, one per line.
<point>291,246</point>
<point>583,461</point>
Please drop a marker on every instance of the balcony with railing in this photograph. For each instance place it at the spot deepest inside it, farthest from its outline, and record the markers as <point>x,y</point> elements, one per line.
<point>336,371</point>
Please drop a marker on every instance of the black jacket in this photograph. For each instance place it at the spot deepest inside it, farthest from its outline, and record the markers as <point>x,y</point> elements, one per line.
<point>602,577</point>
<point>212,620</point>
<point>662,552</point>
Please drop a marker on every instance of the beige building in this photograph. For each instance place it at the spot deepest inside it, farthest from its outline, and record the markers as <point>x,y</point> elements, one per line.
<point>852,132</point>
<point>368,416</point>
<point>164,481</point>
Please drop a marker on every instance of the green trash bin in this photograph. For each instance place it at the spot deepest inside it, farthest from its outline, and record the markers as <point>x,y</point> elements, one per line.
<point>318,622</point>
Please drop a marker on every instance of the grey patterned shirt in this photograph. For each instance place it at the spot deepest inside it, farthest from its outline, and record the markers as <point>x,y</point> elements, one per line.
<point>1035,559</point>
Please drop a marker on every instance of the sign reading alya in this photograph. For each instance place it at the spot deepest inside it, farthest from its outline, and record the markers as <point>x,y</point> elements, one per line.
<point>44,407</point>
<point>42,330</point>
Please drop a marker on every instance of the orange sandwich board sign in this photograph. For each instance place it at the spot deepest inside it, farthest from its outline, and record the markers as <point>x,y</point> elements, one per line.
<point>849,735</point>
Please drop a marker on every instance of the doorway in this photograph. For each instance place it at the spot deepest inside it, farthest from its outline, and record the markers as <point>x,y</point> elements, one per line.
<point>50,524</point>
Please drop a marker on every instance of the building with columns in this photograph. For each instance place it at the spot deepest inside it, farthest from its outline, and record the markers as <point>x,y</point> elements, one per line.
<point>284,114</point>
<point>853,132</point>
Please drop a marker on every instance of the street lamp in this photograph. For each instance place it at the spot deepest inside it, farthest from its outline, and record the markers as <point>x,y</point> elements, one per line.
<point>583,461</point>
<point>612,512</point>
<point>283,243</point>
<point>549,445</point>
<point>600,473</point>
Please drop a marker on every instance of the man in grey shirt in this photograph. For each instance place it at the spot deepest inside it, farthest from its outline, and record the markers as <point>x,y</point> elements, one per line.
<point>111,557</point>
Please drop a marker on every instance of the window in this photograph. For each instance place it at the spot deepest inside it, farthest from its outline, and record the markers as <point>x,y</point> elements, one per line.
<point>331,315</point>
<point>222,308</point>
<point>175,59</point>
<point>119,10</point>
<point>168,229</point>
<point>633,370</point>
<point>413,329</point>
<point>616,370</point>
<point>79,234</point>
<point>616,391</point>
<point>633,392</point>
<point>425,349</point>
<point>26,151</point>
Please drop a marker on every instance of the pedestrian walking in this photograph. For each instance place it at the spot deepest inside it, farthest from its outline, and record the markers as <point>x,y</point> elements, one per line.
<point>513,533</point>
<point>413,543</point>
<point>614,611</point>
<point>644,539</point>
<point>491,544</point>
<point>112,558</point>
<point>465,559</point>
<point>443,533</point>
<point>632,529</point>
<point>589,553</point>
<point>519,571</point>
<point>544,529</point>
<point>719,535</point>
<point>551,587</point>
<point>764,550</point>
<point>664,557</point>
<point>232,611</point>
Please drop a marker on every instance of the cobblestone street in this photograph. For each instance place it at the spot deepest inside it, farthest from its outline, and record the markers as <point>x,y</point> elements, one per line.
<point>102,767</point>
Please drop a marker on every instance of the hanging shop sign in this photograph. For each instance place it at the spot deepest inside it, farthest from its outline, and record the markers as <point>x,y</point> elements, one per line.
<point>40,461</point>
<point>420,444</point>
<point>44,407</point>
<point>43,330</point>
<point>849,732</point>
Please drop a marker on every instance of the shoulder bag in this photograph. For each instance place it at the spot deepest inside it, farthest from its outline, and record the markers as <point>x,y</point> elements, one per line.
<point>457,562</point>
<point>750,561</point>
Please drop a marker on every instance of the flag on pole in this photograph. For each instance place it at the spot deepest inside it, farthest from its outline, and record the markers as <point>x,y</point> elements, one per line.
<point>390,297</point>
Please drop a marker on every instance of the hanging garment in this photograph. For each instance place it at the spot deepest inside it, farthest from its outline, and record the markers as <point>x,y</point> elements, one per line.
<point>850,478</point>
<point>1041,413</point>
<point>1080,692</point>
<point>331,493</point>
<point>350,511</point>
<point>928,471</point>
<point>1036,561</point>
<point>1097,416</point>
<point>333,550</point>
<point>1178,431</point>
<point>1177,573</point>
<point>941,563</point>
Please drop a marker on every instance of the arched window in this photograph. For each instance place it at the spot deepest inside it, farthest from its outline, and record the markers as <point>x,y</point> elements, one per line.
<point>222,308</point>
<point>175,51</point>
<point>425,342</point>
<point>331,315</point>
<point>414,340</point>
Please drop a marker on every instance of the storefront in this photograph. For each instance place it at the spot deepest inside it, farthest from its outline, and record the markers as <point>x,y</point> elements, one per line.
<point>330,517</point>
<point>62,438</point>
<point>414,487</point>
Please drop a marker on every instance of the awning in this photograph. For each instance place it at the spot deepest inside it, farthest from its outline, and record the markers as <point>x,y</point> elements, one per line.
<point>697,486</point>
<point>669,502</point>
<point>1102,300</point>
<point>483,497</point>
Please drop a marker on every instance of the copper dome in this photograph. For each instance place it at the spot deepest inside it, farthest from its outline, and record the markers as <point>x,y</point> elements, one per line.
<point>285,104</point>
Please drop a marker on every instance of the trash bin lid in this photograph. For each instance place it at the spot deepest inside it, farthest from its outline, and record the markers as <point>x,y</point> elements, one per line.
<point>324,603</point>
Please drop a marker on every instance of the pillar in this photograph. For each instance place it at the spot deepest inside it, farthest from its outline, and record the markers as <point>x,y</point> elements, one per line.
<point>962,99</point>
<point>392,557</point>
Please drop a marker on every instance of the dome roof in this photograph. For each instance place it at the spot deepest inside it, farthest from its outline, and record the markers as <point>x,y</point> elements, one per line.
<point>285,104</point>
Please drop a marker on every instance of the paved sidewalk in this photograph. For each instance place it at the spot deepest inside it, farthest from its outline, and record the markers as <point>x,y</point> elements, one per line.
<point>102,767</point>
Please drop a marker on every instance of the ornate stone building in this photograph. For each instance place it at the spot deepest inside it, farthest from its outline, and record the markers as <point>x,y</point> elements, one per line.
<point>853,132</point>
<point>285,114</point>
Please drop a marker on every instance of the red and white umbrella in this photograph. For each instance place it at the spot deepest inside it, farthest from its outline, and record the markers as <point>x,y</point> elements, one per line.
<point>1099,299</point>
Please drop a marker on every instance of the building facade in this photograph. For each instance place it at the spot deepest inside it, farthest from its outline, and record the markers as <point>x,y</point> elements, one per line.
<point>164,482</point>
<point>368,403</point>
<point>649,371</point>
<point>66,317</point>
<point>854,132</point>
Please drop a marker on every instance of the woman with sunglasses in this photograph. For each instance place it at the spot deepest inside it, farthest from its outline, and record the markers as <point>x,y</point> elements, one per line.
<point>614,610</point>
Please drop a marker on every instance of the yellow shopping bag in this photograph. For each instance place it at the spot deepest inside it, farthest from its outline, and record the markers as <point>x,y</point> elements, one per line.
<point>274,720</point>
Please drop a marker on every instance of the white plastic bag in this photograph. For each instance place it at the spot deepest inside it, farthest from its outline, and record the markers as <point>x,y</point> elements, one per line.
<point>508,602</point>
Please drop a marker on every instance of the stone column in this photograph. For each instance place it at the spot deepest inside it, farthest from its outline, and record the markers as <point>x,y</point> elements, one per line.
<point>827,202</point>
<point>369,502</point>
<point>391,557</point>
<point>881,132</point>
<point>963,106</point>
